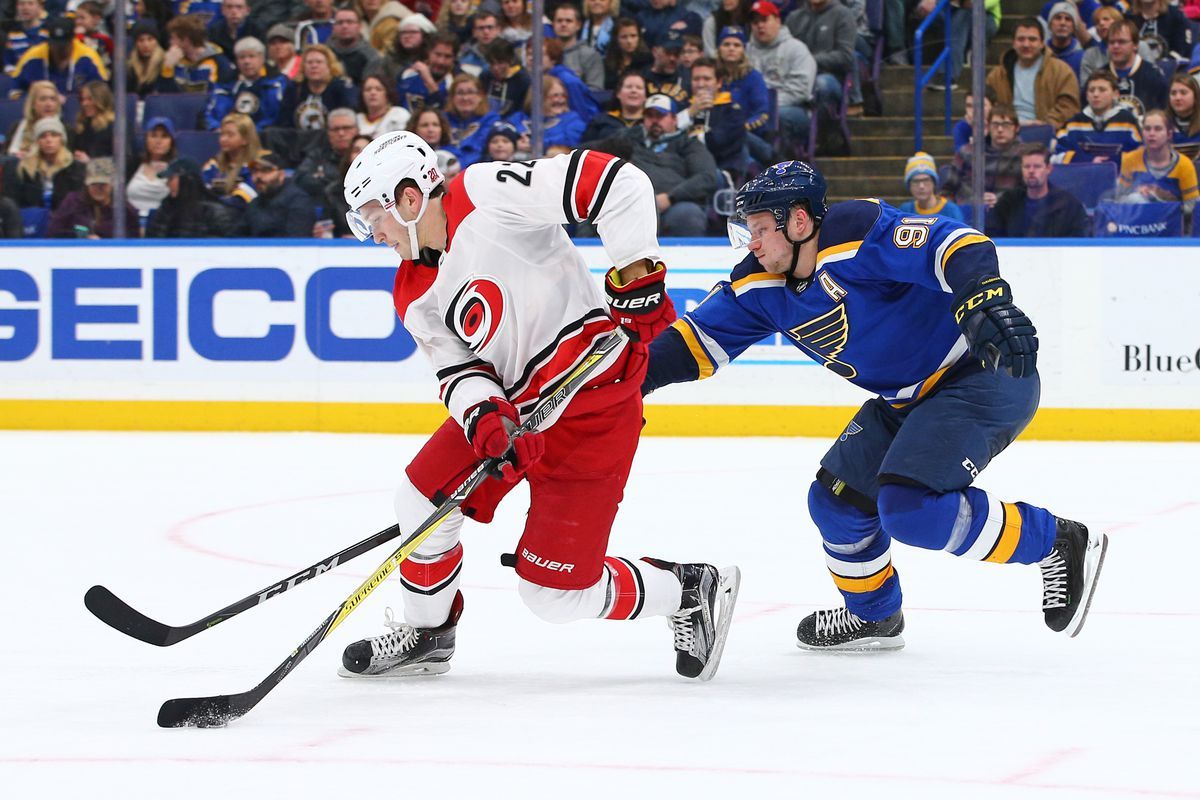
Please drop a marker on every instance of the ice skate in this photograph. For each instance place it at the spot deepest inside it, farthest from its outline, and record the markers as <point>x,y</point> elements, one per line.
<point>405,651</point>
<point>1069,576</point>
<point>839,629</point>
<point>702,621</point>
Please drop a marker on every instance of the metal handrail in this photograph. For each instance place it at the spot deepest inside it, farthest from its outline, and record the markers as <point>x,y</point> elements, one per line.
<point>920,80</point>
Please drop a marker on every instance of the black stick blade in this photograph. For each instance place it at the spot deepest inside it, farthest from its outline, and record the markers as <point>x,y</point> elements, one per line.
<point>116,613</point>
<point>200,712</point>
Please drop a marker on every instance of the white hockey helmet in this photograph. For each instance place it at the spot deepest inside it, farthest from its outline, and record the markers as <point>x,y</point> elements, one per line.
<point>377,171</point>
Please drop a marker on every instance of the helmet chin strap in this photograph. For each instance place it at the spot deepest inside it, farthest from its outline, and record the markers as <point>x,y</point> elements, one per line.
<point>796,245</point>
<point>411,227</point>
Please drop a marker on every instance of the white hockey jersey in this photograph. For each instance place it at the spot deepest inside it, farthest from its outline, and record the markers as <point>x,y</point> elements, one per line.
<point>511,307</point>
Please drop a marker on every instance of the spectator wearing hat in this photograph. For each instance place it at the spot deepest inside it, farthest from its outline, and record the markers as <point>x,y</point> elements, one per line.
<point>828,29</point>
<point>1042,89</point>
<point>666,16</point>
<point>744,82</point>
<point>88,213</point>
<point>786,65</point>
<point>281,50</point>
<point>282,209</point>
<point>192,65</point>
<point>145,61</point>
<point>505,80</point>
<point>502,142</point>
<point>146,190</point>
<point>315,25</point>
<point>28,29</point>
<point>1103,130</point>
<point>48,172</point>
<point>680,167</point>
<point>560,125</point>
<point>232,25</point>
<point>322,164</point>
<point>190,210</point>
<point>426,83</point>
<point>61,59</point>
<point>665,75</point>
<point>410,45</point>
<point>728,14</point>
<point>628,105</point>
<point>358,58</point>
<point>41,101</point>
<point>717,120</point>
<point>1035,209</point>
<point>577,56</point>
<point>256,92</point>
<point>921,181</point>
<point>627,52</point>
<point>1064,22</point>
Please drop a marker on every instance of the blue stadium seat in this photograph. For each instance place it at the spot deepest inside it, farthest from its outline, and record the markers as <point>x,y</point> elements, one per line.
<point>10,114</point>
<point>1138,220</point>
<point>772,123</point>
<point>1088,182</point>
<point>601,96</point>
<point>6,84</point>
<point>34,222</point>
<point>1036,134</point>
<point>182,109</point>
<point>197,145</point>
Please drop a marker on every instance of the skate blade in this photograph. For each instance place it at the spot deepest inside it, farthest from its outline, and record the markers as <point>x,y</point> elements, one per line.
<point>1093,562</point>
<point>875,644</point>
<point>727,592</point>
<point>418,671</point>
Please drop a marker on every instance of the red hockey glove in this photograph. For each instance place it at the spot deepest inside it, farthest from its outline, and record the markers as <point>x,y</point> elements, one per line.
<point>489,427</point>
<point>642,306</point>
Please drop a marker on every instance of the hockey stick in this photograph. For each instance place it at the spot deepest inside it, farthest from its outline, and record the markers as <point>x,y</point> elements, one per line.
<point>207,712</point>
<point>115,612</point>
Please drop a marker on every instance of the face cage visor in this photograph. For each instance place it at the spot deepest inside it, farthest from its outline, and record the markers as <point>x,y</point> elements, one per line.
<point>364,232</point>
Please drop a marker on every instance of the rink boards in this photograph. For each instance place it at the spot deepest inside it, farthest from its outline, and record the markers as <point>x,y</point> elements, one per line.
<point>297,335</point>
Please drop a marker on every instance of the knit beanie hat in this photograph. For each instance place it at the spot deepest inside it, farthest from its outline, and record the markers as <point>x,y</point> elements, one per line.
<point>921,164</point>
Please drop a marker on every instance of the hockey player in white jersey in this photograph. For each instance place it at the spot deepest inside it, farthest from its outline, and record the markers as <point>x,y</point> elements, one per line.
<point>499,299</point>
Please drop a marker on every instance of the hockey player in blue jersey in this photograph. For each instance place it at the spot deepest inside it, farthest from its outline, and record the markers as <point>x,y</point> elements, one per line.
<point>912,309</point>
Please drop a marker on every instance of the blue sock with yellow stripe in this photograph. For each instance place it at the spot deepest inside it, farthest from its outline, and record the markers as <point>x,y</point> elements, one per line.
<point>969,523</point>
<point>857,553</point>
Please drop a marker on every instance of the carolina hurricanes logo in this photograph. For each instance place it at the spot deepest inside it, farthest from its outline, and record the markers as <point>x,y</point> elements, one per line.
<point>477,312</point>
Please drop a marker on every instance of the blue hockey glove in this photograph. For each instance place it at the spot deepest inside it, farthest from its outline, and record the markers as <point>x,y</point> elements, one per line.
<point>998,333</point>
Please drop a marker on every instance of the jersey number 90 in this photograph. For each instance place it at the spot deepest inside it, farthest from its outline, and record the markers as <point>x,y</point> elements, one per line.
<point>910,236</point>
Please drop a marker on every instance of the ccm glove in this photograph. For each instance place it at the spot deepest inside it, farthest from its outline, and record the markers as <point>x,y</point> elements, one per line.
<point>641,306</point>
<point>998,333</point>
<point>489,427</point>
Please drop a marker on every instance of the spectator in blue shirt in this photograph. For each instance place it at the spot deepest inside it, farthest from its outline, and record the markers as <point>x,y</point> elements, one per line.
<point>561,126</point>
<point>316,25</point>
<point>257,92</point>
<point>921,180</point>
<point>29,29</point>
<point>470,118</point>
<point>307,102</point>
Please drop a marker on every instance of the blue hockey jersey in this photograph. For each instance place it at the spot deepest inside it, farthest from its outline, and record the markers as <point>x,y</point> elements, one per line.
<point>877,311</point>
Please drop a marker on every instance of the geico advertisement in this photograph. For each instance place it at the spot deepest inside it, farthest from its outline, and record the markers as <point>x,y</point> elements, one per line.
<point>294,321</point>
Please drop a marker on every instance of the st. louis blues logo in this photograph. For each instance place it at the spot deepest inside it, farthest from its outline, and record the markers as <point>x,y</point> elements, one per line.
<point>477,312</point>
<point>851,429</point>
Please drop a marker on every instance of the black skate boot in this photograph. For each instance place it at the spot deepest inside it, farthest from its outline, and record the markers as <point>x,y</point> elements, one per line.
<point>842,630</point>
<point>702,621</point>
<point>1069,576</point>
<point>404,652</point>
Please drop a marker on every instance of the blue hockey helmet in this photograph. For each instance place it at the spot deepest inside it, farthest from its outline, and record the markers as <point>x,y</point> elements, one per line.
<point>777,189</point>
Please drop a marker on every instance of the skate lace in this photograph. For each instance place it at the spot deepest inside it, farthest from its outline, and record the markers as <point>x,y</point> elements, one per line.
<point>401,639</point>
<point>683,628</point>
<point>838,620</point>
<point>1054,580</point>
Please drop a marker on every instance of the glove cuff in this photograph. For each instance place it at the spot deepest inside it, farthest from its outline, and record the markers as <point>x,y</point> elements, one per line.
<point>612,279</point>
<point>490,406</point>
<point>980,294</point>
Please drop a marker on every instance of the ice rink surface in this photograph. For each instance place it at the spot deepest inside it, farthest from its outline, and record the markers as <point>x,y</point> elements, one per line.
<point>983,703</point>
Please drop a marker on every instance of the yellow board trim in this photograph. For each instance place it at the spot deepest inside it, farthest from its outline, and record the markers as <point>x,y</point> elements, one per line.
<point>1061,424</point>
<point>1010,535</point>
<point>867,584</point>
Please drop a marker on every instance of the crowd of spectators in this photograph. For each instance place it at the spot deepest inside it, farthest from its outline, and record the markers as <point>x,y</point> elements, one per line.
<point>260,105</point>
